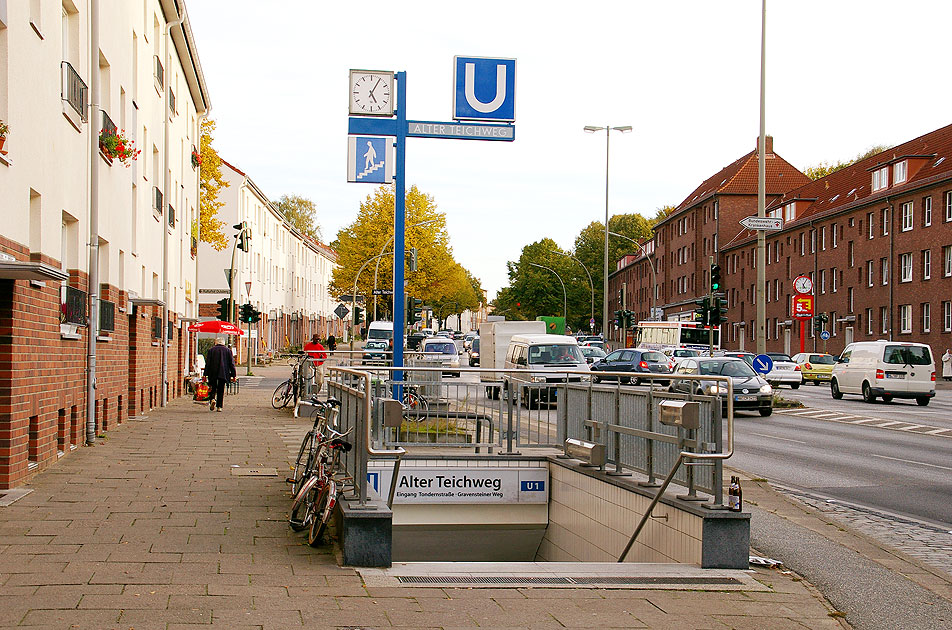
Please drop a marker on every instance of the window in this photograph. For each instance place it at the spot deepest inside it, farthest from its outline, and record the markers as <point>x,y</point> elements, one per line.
<point>822,280</point>
<point>926,211</point>
<point>833,229</point>
<point>884,319</point>
<point>905,267</point>
<point>905,318</point>
<point>899,172</point>
<point>884,265</point>
<point>870,278</point>
<point>880,178</point>
<point>926,264</point>
<point>869,223</point>
<point>823,238</point>
<point>790,211</point>
<point>926,317</point>
<point>833,280</point>
<point>849,299</point>
<point>850,250</point>
<point>947,317</point>
<point>906,216</point>
<point>812,241</point>
<point>802,244</point>
<point>947,261</point>
<point>948,206</point>
<point>869,322</point>
<point>884,218</point>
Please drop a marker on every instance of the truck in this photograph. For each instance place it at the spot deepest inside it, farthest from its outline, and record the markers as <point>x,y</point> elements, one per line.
<point>494,340</point>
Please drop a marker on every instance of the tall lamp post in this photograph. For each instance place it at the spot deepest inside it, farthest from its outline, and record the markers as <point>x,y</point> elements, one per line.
<point>590,283</point>
<point>608,129</point>
<point>382,250</point>
<point>565,301</point>
<point>654,275</point>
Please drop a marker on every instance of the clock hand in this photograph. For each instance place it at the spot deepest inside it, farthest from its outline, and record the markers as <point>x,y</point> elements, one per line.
<point>371,95</point>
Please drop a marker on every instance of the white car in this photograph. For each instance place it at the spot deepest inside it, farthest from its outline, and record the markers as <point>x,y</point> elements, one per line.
<point>444,350</point>
<point>886,369</point>
<point>785,371</point>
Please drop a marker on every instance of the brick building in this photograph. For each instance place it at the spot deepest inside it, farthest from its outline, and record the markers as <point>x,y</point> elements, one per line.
<point>875,237</point>
<point>89,242</point>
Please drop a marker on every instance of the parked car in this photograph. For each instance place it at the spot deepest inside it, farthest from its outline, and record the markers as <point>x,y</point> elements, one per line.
<point>592,353</point>
<point>887,369</point>
<point>376,353</point>
<point>785,371</point>
<point>449,355</point>
<point>751,391</point>
<point>816,368</point>
<point>634,360</point>
<point>474,352</point>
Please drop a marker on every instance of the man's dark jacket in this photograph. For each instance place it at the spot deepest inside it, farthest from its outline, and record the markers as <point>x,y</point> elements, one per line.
<point>219,363</point>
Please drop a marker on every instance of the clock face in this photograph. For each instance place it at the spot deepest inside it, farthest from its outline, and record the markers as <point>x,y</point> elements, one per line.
<point>371,93</point>
<point>803,284</point>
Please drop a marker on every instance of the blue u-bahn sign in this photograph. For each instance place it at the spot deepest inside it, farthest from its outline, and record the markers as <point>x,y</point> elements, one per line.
<point>484,89</point>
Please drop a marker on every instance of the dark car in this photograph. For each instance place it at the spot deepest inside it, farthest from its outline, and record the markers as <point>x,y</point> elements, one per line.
<point>746,356</point>
<point>751,391</point>
<point>474,352</point>
<point>414,339</point>
<point>635,360</point>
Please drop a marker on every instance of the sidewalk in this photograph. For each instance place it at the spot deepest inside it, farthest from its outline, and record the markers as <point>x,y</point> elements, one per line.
<point>152,529</point>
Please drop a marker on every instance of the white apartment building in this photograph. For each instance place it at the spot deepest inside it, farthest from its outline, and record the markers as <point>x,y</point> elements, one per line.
<point>89,243</point>
<point>285,274</point>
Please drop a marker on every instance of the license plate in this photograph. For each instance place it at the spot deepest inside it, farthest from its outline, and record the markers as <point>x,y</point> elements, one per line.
<point>895,375</point>
<point>783,367</point>
<point>744,398</point>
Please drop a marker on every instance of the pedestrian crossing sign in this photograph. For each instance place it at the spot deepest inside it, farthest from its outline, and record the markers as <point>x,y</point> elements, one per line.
<point>370,159</point>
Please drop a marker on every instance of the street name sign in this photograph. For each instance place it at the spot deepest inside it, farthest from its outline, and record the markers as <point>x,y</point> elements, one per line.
<point>460,131</point>
<point>484,88</point>
<point>762,223</point>
<point>382,292</point>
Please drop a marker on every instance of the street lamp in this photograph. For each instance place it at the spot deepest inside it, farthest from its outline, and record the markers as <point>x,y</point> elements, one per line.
<point>608,129</point>
<point>382,249</point>
<point>353,296</point>
<point>565,301</point>
<point>654,276</point>
<point>584,268</point>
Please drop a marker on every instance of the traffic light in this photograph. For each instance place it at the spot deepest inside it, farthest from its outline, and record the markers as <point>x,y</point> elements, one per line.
<point>358,315</point>
<point>619,319</point>
<point>255,316</point>
<point>702,310</point>
<point>414,310</point>
<point>246,311</point>
<point>629,319</point>
<point>818,322</point>
<point>243,236</point>
<point>223,310</point>
<point>715,277</point>
<point>413,259</point>
<point>718,311</point>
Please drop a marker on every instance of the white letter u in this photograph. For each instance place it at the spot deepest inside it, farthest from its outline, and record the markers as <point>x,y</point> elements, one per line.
<point>470,88</point>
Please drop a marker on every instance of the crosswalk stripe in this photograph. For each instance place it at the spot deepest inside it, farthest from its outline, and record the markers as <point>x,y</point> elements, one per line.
<point>887,424</point>
<point>911,427</point>
<point>938,431</point>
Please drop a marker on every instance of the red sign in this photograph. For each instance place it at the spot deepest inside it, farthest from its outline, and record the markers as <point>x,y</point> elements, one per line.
<point>802,306</point>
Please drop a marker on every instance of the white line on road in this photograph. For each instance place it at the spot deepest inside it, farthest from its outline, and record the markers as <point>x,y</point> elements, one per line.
<point>938,431</point>
<point>888,424</point>
<point>773,437</point>
<point>910,461</point>
<point>862,420</point>
<point>911,427</point>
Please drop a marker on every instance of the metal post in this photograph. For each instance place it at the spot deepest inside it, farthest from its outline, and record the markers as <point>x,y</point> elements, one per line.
<point>93,287</point>
<point>608,133</point>
<point>761,329</point>
<point>399,220</point>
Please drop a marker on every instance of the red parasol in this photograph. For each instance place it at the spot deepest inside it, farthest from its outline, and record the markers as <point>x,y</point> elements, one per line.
<point>216,326</point>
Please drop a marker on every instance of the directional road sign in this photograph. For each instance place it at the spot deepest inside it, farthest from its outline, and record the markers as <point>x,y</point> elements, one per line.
<point>484,89</point>
<point>341,311</point>
<point>762,364</point>
<point>825,335</point>
<point>803,306</point>
<point>762,223</point>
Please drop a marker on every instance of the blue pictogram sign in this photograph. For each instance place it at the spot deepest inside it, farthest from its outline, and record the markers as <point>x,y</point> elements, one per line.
<point>825,335</point>
<point>369,160</point>
<point>762,364</point>
<point>484,89</point>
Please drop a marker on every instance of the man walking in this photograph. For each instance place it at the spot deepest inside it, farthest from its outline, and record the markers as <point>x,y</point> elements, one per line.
<point>219,369</point>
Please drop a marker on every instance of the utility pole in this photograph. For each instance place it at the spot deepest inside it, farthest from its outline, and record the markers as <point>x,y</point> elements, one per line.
<point>761,330</point>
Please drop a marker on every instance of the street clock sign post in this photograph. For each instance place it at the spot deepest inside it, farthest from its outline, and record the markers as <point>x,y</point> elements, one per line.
<point>484,89</point>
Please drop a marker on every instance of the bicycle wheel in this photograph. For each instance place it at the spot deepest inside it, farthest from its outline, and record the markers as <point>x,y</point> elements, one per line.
<point>302,509</point>
<point>323,508</point>
<point>302,465</point>
<point>281,395</point>
<point>414,402</point>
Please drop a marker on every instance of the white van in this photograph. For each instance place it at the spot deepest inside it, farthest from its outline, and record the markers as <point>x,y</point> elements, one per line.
<point>444,351</point>
<point>380,331</point>
<point>885,369</point>
<point>543,359</point>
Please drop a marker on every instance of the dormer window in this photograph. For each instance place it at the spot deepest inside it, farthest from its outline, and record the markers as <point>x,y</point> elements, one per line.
<point>899,172</point>
<point>880,178</point>
<point>790,211</point>
<point>775,213</point>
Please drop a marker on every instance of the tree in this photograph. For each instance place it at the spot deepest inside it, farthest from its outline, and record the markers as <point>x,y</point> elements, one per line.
<point>825,168</point>
<point>301,213</point>
<point>210,183</point>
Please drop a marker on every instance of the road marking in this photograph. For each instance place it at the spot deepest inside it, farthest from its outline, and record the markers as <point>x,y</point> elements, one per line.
<point>773,437</point>
<point>888,424</point>
<point>911,427</point>
<point>862,420</point>
<point>910,461</point>
<point>937,431</point>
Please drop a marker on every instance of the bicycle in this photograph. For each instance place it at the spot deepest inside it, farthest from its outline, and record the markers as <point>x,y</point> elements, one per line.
<point>327,412</point>
<point>290,389</point>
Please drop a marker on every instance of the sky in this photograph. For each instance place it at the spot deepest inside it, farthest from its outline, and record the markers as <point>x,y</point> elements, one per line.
<point>841,76</point>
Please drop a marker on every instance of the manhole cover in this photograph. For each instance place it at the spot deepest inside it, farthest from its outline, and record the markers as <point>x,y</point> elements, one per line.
<point>254,472</point>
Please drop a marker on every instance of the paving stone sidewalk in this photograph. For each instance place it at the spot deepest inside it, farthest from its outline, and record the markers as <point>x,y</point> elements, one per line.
<point>150,529</point>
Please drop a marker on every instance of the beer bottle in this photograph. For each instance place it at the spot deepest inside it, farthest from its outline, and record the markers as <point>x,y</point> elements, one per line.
<point>735,495</point>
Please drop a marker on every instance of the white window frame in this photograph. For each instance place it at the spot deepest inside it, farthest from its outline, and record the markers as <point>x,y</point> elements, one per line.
<point>899,172</point>
<point>833,235</point>
<point>948,205</point>
<point>884,319</point>
<point>884,270</point>
<point>823,238</point>
<point>907,216</point>
<point>790,211</point>
<point>880,178</point>
<point>813,241</point>
<point>927,211</point>
<point>926,317</point>
<point>926,264</point>
<point>870,277</point>
<point>905,267</point>
<point>870,229</point>
<point>947,316</point>
<point>905,319</point>
<point>947,261</point>
<point>833,280</point>
<point>869,322</point>
<point>822,281</point>
<point>886,218</point>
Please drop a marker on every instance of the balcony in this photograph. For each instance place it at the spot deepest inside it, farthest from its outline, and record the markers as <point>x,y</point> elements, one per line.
<point>171,216</point>
<point>159,76</point>
<point>194,250</point>
<point>74,94</point>
<point>157,199</point>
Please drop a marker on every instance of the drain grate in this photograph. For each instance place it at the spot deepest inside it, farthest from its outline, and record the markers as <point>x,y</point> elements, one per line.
<point>561,581</point>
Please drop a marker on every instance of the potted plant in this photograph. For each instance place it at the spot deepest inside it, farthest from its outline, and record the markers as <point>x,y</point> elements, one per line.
<point>115,145</point>
<point>4,130</point>
<point>196,158</point>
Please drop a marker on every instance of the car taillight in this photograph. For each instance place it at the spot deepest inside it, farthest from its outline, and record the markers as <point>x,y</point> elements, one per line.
<point>933,376</point>
<point>797,368</point>
<point>643,365</point>
<point>880,374</point>
<point>808,366</point>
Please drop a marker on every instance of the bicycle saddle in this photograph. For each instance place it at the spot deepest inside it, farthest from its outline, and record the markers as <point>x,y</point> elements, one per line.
<point>332,402</point>
<point>341,444</point>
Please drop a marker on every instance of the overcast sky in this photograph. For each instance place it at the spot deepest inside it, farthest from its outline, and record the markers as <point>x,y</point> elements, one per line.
<point>842,76</point>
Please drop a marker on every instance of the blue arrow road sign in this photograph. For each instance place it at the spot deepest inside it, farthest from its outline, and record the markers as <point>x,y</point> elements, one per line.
<point>762,364</point>
<point>484,89</point>
<point>825,335</point>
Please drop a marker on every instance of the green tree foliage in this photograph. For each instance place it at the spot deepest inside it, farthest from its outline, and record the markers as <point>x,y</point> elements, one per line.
<point>439,279</point>
<point>301,213</point>
<point>825,168</point>
<point>210,183</point>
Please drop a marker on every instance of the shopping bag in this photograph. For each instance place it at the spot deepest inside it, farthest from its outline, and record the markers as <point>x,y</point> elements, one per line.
<point>201,391</point>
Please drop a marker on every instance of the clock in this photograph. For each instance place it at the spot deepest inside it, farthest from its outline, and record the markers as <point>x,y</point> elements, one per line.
<point>803,284</point>
<point>371,93</point>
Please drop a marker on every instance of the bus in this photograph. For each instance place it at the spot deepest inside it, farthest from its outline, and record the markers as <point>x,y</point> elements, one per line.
<point>675,334</point>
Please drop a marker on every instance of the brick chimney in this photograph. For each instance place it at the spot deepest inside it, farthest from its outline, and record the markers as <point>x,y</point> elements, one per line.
<point>768,141</point>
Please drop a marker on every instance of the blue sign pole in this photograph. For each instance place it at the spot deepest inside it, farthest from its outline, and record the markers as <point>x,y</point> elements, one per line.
<point>399,224</point>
